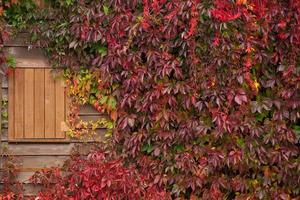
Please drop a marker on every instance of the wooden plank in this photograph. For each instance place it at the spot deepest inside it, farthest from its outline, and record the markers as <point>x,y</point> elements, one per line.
<point>29,103</point>
<point>82,117</point>
<point>26,58</point>
<point>29,63</point>
<point>59,108</point>
<point>43,161</point>
<point>19,104</point>
<point>21,40</point>
<point>33,162</point>
<point>49,105</point>
<point>40,140</point>
<point>30,190</point>
<point>23,177</point>
<point>1,119</point>
<point>91,117</point>
<point>39,99</point>
<point>88,110</point>
<point>100,136</point>
<point>34,54</point>
<point>36,149</point>
<point>11,98</point>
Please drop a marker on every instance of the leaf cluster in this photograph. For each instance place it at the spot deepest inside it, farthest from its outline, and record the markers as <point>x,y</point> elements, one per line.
<point>207,93</point>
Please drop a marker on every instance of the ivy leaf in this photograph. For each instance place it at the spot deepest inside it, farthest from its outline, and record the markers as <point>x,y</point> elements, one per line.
<point>296,129</point>
<point>102,50</point>
<point>69,2</point>
<point>106,10</point>
<point>114,115</point>
<point>240,97</point>
<point>240,142</point>
<point>148,148</point>
<point>260,117</point>
<point>11,61</point>
<point>131,122</point>
<point>179,147</point>
<point>103,100</point>
<point>73,44</point>
<point>94,90</point>
<point>112,102</point>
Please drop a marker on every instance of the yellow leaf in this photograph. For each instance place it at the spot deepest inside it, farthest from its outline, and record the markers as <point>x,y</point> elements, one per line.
<point>257,85</point>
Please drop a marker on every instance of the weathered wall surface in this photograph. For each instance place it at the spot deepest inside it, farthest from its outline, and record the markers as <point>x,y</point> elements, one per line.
<point>36,155</point>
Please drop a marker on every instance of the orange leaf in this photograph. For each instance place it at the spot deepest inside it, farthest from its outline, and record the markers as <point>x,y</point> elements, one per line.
<point>193,197</point>
<point>114,115</point>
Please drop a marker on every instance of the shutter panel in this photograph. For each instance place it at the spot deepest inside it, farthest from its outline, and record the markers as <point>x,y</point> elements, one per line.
<point>49,105</point>
<point>19,104</point>
<point>29,107</point>
<point>39,103</point>
<point>37,106</point>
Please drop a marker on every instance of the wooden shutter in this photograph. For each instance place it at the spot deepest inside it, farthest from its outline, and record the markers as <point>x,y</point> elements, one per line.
<point>37,106</point>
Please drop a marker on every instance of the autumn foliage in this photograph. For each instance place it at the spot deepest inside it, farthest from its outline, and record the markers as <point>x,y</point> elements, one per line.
<point>208,96</point>
<point>208,91</point>
<point>96,176</point>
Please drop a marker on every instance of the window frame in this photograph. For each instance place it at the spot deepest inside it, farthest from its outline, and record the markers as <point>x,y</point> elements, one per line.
<point>11,113</point>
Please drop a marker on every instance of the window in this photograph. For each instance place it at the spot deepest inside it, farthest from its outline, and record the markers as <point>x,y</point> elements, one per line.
<point>37,106</point>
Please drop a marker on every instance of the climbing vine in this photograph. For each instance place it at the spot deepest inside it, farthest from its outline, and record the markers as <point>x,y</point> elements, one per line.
<point>86,87</point>
<point>202,96</point>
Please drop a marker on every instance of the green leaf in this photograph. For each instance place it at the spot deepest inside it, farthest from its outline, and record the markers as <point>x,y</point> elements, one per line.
<point>105,9</point>
<point>296,129</point>
<point>91,99</point>
<point>103,100</point>
<point>148,148</point>
<point>240,142</point>
<point>34,37</point>
<point>69,2</point>
<point>11,61</point>
<point>102,50</point>
<point>94,90</point>
<point>112,103</point>
<point>260,116</point>
<point>179,147</point>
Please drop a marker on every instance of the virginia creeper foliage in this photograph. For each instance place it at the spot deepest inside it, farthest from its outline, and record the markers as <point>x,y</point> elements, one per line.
<point>208,91</point>
<point>96,176</point>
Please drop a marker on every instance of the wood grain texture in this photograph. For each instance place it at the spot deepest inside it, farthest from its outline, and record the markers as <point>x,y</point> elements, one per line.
<point>26,58</point>
<point>11,100</point>
<point>22,40</point>
<point>23,177</point>
<point>100,136</point>
<point>49,105</point>
<point>19,104</point>
<point>33,162</point>
<point>54,113</point>
<point>39,100</point>
<point>39,162</point>
<point>0,122</point>
<point>29,105</point>
<point>60,115</point>
<point>88,110</point>
<point>38,149</point>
